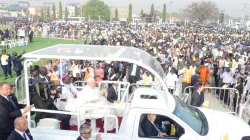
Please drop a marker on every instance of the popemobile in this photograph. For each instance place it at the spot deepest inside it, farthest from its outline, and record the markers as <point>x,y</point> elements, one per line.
<point>174,118</point>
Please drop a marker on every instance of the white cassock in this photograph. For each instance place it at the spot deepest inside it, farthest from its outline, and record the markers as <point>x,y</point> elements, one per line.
<point>68,102</point>
<point>88,95</point>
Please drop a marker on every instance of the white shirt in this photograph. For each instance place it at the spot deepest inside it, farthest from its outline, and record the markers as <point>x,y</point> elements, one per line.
<point>83,138</point>
<point>4,61</point>
<point>133,73</point>
<point>21,133</point>
<point>227,77</point>
<point>170,80</point>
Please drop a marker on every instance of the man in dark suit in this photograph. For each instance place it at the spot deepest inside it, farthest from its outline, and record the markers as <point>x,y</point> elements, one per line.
<point>31,35</point>
<point>21,131</point>
<point>113,93</point>
<point>149,128</point>
<point>43,98</point>
<point>196,97</point>
<point>9,111</point>
<point>85,133</point>
<point>134,73</point>
<point>17,63</point>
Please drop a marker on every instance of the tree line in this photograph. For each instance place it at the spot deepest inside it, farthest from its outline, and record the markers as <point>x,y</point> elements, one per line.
<point>97,9</point>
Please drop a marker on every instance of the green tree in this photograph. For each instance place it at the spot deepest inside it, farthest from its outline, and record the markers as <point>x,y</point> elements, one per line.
<point>41,12</point>
<point>108,13</point>
<point>152,10</point>
<point>66,14</point>
<point>142,12</point>
<point>48,12</point>
<point>54,11</point>
<point>96,8</point>
<point>130,13</point>
<point>116,15</point>
<point>84,11</point>
<point>164,13</point>
<point>60,10</point>
<point>76,11</point>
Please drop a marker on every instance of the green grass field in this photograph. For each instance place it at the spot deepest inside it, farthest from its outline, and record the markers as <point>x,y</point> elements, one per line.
<point>38,43</point>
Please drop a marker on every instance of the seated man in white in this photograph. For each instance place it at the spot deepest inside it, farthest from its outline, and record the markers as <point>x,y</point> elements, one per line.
<point>67,100</point>
<point>89,96</point>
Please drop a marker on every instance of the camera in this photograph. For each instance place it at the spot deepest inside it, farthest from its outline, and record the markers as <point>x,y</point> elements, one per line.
<point>44,90</point>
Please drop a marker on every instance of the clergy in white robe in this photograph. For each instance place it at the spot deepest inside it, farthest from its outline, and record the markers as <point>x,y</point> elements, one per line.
<point>67,100</point>
<point>90,96</point>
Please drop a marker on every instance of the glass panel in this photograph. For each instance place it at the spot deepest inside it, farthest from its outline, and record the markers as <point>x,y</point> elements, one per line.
<point>115,53</point>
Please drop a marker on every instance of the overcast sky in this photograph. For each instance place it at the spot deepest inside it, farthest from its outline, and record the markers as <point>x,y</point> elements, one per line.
<point>232,7</point>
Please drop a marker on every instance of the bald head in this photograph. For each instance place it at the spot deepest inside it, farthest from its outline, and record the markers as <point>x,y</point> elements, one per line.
<point>21,124</point>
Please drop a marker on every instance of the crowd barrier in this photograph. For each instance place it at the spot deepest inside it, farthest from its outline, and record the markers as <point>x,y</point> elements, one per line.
<point>216,97</point>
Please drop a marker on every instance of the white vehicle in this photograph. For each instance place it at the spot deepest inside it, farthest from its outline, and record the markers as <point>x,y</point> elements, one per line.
<point>77,20</point>
<point>184,122</point>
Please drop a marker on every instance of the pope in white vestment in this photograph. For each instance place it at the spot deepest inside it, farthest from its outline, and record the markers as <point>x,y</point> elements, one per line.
<point>90,96</point>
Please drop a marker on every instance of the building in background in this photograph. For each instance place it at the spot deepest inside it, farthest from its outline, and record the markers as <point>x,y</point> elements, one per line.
<point>34,10</point>
<point>122,13</point>
<point>71,8</point>
<point>136,19</point>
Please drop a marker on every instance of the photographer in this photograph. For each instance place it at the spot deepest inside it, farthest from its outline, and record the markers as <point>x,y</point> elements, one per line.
<point>43,97</point>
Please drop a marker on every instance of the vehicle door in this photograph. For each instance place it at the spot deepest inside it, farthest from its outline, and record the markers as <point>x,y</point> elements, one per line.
<point>166,123</point>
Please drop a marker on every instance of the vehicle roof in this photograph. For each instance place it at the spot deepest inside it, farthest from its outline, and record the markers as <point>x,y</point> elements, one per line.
<point>165,101</point>
<point>102,53</point>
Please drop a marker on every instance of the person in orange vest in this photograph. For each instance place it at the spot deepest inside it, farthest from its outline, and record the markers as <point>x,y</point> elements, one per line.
<point>187,72</point>
<point>204,73</point>
<point>89,71</point>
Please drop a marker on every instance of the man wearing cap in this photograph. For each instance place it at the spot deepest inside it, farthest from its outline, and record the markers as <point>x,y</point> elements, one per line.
<point>5,64</point>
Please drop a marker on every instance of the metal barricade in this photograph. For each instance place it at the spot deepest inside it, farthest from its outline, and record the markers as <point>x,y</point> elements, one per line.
<point>216,97</point>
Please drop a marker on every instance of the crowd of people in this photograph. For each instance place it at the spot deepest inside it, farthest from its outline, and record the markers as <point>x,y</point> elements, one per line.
<point>200,56</point>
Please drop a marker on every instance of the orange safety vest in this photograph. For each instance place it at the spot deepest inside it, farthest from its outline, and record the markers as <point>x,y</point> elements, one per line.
<point>187,75</point>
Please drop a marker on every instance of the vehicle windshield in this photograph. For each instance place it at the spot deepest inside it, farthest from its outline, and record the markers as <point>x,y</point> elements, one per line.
<point>190,115</point>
